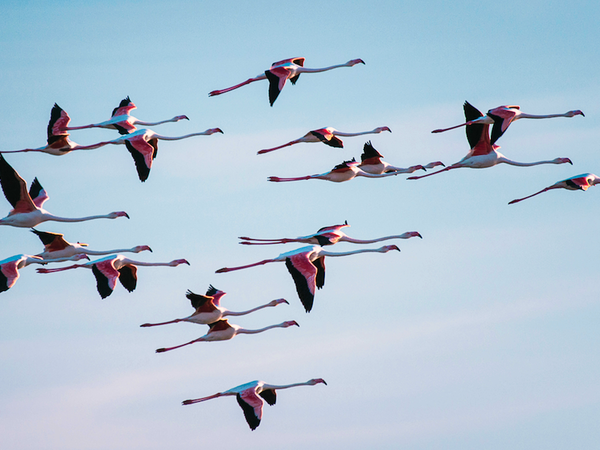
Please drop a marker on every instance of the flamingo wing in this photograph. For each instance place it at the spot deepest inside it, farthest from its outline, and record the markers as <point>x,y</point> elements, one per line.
<point>219,325</point>
<point>211,291</point>
<point>124,127</point>
<point>59,119</point>
<point>128,277</point>
<point>277,77</point>
<point>124,108</point>
<point>252,405</point>
<point>9,274</point>
<point>143,153</point>
<point>201,303</point>
<point>304,273</point>
<point>15,189</point>
<point>52,241</point>
<point>269,395</point>
<point>474,132</point>
<point>370,155</point>
<point>37,193</point>
<point>320,265</point>
<point>327,137</point>
<point>106,277</point>
<point>503,117</point>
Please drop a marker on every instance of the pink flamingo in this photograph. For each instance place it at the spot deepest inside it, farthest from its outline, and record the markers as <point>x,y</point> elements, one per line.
<point>107,270</point>
<point>577,183</point>
<point>502,116</point>
<point>27,206</point>
<point>327,236</point>
<point>55,246</point>
<point>371,162</point>
<point>121,120</point>
<point>58,142</point>
<point>483,153</point>
<point>280,72</point>
<point>307,267</point>
<point>208,308</point>
<point>222,330</point>
<point>345,171</point>
<point>143,146</point>
<point>328,136</point>
<point>251,397</point>
<point>9,268</point>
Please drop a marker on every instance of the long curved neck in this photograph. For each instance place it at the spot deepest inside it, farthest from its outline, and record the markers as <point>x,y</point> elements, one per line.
<point>75,219</point>
<point>174,119</point>
<point>243,313</point>
<point>260,330</point>
<point>286,386</point>
<point>323,69</point>
<point>540,116</point>
<point>352,252</point>
<point>94,146</point>
<point>522,164</point>
<point>107,252</point>
<point>176,138</point>
<point>371,241</point>
<point>339,133</point>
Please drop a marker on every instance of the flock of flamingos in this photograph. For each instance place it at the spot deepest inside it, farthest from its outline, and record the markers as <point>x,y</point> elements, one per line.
<point>306,264</point>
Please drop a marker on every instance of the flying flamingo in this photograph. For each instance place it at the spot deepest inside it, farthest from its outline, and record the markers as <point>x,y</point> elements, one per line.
<point>222,330</point>
<point>121,120</point>
<point>307,267</point>
<point>249,397</point>
<point>327,236</point>
<point>55,246</point>
<point>28,211</point>
<point>58,142</point>
<point>143,146</point>
<point>107,270</point>
<point>577,183</point>
<point>328,136</point>
<point>280,72</point>
<point>209,310</point>
<point>9,268</point>
<point>483,153</point>
<point>502,116</point>
<point>371,162</point>
<point>345,171</point>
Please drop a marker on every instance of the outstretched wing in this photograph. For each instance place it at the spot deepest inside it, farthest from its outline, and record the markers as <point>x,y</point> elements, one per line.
<point>58,119</point>
<point>124,107</point>
<point>52,241</point>
<point>252,405</point>
<point>327,137</point>
<point>304,274</point>
<point>503,117</point>
<point>369,153</point>
<point>106,277</point>
<point>128,277</point>
<point>269,395</point>
<point>143,153</point>
<point>201,303</point>
<point>277,77</point>
<point>37,193</point>
<point>15,189</point>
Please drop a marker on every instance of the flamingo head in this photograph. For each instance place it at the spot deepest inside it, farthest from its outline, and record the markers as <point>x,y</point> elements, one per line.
<point>387,248</point>
<point>178,118</point>
<point>214,130</point>
<point>380,129</point>
<point>354,62</point>
<point>562,161</point>
<point>316,381</point>
<point>114,215</point>
<point>410,234</point>
<point>279,301</point>
<point>176,262</point>
<point>431,165</point>
<point>289,324</point>
<point>575,113</point>
<point>141,248</point>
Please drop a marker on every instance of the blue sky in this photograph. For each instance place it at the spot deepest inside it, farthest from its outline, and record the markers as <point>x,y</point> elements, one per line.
<point>481,335</point>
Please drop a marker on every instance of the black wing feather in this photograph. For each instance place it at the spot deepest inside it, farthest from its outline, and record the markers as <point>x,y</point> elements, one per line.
<point>306,297</point>
<point>273,86</point>
<point>140,163</point>
<point>269,395</point>
<point>11,182</point>
<point>320,278</point>
<point>126,101</point>
<point>128,277</point>
<point>473,131</point>
<point>251,418</point>
<point>197,299</point>
<point>496,128</point>
<point>101,282</point>
<point>369,152</point>
<point>35,188</point>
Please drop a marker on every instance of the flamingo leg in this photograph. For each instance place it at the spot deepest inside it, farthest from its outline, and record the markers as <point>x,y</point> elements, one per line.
<point>162,323</point>
<point>166,349</point>
<point>267,150</point>
<point>454,166</point>
<point>529,196</point>
<point>248,81</point>
<point>229,269</point>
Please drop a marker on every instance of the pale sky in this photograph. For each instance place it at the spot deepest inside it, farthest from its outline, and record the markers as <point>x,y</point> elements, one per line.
<point>484,334</point>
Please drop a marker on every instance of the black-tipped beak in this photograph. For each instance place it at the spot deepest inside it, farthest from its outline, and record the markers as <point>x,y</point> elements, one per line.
<point>150,250</point>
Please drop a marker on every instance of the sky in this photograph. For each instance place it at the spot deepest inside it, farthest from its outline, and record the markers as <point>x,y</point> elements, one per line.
<point>481,335</point>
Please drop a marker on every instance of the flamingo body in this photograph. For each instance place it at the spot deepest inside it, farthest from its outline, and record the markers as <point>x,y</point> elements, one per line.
<point>251,397</point>
<point>577,183</point>
<point>27,209</point>
<point>280,72</point>
<point>111,268</point>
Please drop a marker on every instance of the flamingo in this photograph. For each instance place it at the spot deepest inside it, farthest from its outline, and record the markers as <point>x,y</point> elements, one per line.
<point>110,268</point>
<point>58,142</point>
<point>328,136</point>
<point>143,146</point>
<point>483,153</point>
<point>371,162</point>
<point>121,120</point>
<point>55,246</point>
<point>28,211</point>
<point>307,267</point>
<point>9,268</point>
<point>327,236</point>
<point>502,116</point>
<point>577,183</point>
<point>249,397</point>
<point>345,171</point>
<point>280,72</point>
<point>222,330</point>
<point>209,310</point>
